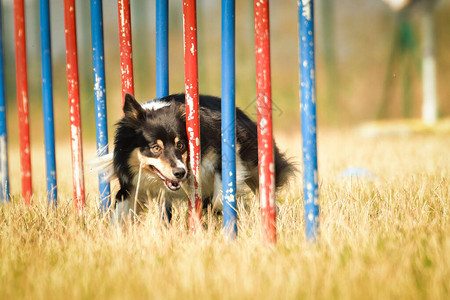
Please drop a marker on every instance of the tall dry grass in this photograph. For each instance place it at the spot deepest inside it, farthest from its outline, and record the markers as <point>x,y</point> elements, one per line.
<point>382,237</point>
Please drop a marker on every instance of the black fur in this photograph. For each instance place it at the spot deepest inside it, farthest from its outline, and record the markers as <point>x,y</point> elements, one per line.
<point>141,127</point>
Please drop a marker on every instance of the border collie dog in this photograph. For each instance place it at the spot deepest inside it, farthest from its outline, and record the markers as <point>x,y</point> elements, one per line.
<point>151,146</point>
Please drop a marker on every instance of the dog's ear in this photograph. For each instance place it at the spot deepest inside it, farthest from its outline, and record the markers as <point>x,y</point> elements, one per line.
<point>182,112</point>
<point>132,109</point>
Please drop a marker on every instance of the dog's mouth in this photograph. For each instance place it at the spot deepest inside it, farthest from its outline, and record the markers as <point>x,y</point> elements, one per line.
<point>172,185</point>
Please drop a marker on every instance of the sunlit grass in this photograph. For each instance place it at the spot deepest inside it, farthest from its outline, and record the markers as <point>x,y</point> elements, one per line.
<point>382,237</point>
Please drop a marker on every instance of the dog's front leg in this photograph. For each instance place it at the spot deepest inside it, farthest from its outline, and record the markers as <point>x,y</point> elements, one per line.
<point>122,211</point>
<point>165,208</point>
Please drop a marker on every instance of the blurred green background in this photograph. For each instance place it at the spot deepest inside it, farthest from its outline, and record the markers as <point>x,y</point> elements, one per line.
<point>368,61</point>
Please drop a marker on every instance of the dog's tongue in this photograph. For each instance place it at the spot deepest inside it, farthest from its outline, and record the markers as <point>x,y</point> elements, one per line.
<point>172,185</point>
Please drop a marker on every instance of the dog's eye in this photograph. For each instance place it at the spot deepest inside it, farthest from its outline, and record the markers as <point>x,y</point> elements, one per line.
<point>156,148</point>
<point>180,146</point>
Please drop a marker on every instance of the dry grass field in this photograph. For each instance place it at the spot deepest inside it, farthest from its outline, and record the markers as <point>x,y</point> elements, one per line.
<point>385,236</point>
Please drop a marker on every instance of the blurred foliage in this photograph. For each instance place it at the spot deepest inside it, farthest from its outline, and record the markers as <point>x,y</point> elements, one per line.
<point>405,58</point>
<point>355,37</point>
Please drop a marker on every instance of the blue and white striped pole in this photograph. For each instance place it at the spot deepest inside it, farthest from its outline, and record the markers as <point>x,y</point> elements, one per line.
<point>47,100</point>
<point>4,177</point>
<point>308,114</point>
<point>98,58</point>
<point>228,119</point>
<point>162,48</point>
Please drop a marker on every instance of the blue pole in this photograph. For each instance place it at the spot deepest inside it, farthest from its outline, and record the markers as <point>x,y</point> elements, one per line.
<point>162,62</point>
<point>228,119</point>
<point>4,177</point>
<point>162,48</point>
<point>98,58</point>
<point>308,114</point>
<point>47,99</point>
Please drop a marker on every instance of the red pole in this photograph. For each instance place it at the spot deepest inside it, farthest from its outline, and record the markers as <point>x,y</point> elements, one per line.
<point>22,98</point>
<point>192,110</point>
<point>74,102</point>
<point>126,56</point>
<point>264,117</point>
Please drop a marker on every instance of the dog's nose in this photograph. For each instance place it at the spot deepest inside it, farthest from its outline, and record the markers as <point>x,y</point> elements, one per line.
<point>179,173</point>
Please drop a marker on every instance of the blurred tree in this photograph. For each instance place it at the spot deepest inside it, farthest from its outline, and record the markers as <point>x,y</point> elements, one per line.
<point>404,45</point>
<point>403,51</point>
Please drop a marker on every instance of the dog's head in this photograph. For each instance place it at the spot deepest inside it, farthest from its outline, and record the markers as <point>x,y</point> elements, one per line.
<point>160,139</point>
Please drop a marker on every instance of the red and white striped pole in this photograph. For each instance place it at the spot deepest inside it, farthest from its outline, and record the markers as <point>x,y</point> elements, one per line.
<point>192,110</point>
<point>264,119</point>
<point>73,93</point>
<point>126,54</point>
<point>22,98</point>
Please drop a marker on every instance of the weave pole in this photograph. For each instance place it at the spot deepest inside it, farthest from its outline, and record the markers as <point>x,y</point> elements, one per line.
<point>192,110</point>
<point>4,174</point>
<point>98,59</point>
<point>47,100</point>
<point>308,114</point>
<point>74,103</point>
<point>126,57</point>
<point>162,63</point>
<point>98,62</point>
<point>228,119</point>
<point>22,98</point>
<point>264,119</point>
<point>162,48</point>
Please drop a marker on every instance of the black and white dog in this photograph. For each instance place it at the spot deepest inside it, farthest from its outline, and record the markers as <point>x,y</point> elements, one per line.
<point>151,146</point>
